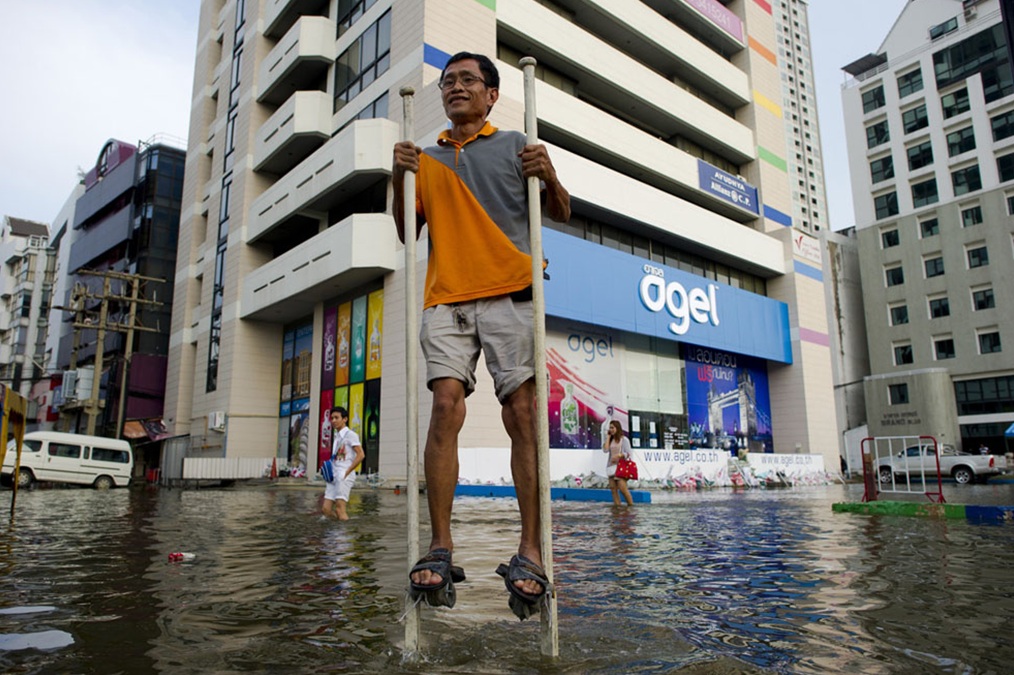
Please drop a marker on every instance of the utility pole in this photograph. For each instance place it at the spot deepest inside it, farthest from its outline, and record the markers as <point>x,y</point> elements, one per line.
<point>92,407</point>
<point>82,322</point>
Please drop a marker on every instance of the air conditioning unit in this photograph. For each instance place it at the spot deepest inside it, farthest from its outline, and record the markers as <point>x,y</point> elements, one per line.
<point>970,12</point>
<point>216,421</point>
<point>69,385</point>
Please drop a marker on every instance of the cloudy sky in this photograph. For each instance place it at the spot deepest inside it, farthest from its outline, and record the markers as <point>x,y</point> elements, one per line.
<point>78,72</point>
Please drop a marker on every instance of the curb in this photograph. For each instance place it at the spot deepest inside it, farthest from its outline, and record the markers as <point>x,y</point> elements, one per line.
<point>969,512</point>
<point>561,493</point>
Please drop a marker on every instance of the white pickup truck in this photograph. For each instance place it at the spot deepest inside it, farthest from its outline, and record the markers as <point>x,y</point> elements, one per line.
<point>919,460</point>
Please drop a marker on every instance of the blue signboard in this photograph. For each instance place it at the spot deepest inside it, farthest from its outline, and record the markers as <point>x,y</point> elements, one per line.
<point>604,287</point>
<point>724,185</point>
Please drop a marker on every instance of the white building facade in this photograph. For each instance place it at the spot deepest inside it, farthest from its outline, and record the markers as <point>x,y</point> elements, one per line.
<point>930,133</point>
<point>27,272</point>
<point>681,300</point>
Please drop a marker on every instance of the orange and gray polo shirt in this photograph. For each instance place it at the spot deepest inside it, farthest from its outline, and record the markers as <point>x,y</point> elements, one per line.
<point>472,195</point>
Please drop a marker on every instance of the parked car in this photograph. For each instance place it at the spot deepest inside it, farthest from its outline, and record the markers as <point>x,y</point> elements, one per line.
<point>59,457</point>
<point>919,460</point>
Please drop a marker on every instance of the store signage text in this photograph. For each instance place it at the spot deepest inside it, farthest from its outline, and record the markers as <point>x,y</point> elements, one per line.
<point>697,304</point>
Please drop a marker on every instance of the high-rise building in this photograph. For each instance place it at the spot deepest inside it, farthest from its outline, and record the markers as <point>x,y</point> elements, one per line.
<point>930,134</point>
<point>123,224</point>
<point>26,284</point>
<point>799,105</point>
<point>681,299</point>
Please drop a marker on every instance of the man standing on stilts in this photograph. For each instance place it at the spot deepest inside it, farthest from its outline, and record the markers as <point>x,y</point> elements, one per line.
<point>471,192</point>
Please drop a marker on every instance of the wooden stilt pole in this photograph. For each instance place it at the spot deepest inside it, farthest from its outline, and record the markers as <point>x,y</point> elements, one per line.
<point>412,615</point>
<point>550,641</point>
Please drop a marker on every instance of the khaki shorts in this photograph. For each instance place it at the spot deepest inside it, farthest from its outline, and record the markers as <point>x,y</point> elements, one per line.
<point>501,328</point>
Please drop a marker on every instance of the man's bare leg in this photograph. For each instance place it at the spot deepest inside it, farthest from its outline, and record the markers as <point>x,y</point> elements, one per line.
<point>441,460</point>
<point>519,420</point>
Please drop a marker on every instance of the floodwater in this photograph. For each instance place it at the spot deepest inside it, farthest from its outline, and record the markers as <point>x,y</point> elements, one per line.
<point>765,581</point>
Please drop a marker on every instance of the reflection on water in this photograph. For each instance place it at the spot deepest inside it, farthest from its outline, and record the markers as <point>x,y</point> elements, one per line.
<point>721,581</point>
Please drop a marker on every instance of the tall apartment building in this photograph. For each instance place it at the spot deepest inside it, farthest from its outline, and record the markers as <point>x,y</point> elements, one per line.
<point>799,103</point>
<point>930,133</point>
<point>681,299</point>
<point>126,222</point>
<point>26,284</point>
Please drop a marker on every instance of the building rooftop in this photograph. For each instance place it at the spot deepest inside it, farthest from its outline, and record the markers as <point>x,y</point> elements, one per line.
<point>27,228</point>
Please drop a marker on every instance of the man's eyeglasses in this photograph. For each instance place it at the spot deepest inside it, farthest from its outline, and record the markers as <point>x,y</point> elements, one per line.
<point>465,79</point>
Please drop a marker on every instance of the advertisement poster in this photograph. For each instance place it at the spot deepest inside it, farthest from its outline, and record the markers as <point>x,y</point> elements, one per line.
<point>287,344</point>
<point>326,403</point>
<point>282,448</point>
<point>585,386</point>
<point>358,365</point>
<point>375,321</point>
<point>728,402</point>
<point>355,408</point>
<point>299,433</point>
<point>651,430</point>
<point>329,348</point>
<point>301,362</point>
<point>371,439</point>
<point>344,339</point>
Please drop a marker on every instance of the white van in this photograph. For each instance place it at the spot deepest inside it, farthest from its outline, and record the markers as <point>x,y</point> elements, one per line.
<point>70,458</point>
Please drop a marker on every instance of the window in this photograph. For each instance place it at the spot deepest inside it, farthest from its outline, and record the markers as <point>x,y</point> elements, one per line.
<point>944,348</point>
<point>873,99</point>
<point>1010,205</point>
<point>895,276</point>
<point>350,11</point>
<point>934,267</point>
<point>960,141</point>
<point>886,205</point>
<point>1005,167</point>
<point>64,450</point>
<point>1003,125</point>
<point>930,227</point>
<point>902,355</point>
<point>925,193</point>
<point>985,396</point>
<point>972,55</point>
<point>364,61</point>
<point>989,343</point>
<point>978,257</point>
<point>966,180</point>
<point>889,238</point>
<point>877,133</point>
<point>882,169</point>
<point>983,299</point>
<point>944,28</point>
<point>899,315</point>
<point>920,155</point>
<point>909,83</point>
<point>939,308</point>
<point>971,216</point>
<point>997,82</point>
<point>955,103</point>
<point>914,119</point>
<point>897,394</point>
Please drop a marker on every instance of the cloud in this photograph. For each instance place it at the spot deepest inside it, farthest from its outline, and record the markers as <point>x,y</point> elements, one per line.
<point>80,73</point>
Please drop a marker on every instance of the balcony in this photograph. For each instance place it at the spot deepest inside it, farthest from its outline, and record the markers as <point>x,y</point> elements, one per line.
<point>345,165</point>
<point>624,86</point>
<point>298,61</point>
<point>708,18</point>
<point>299,127</point>
<point>358,249</point>
<point>280,15</point>
<point>609,141</point>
